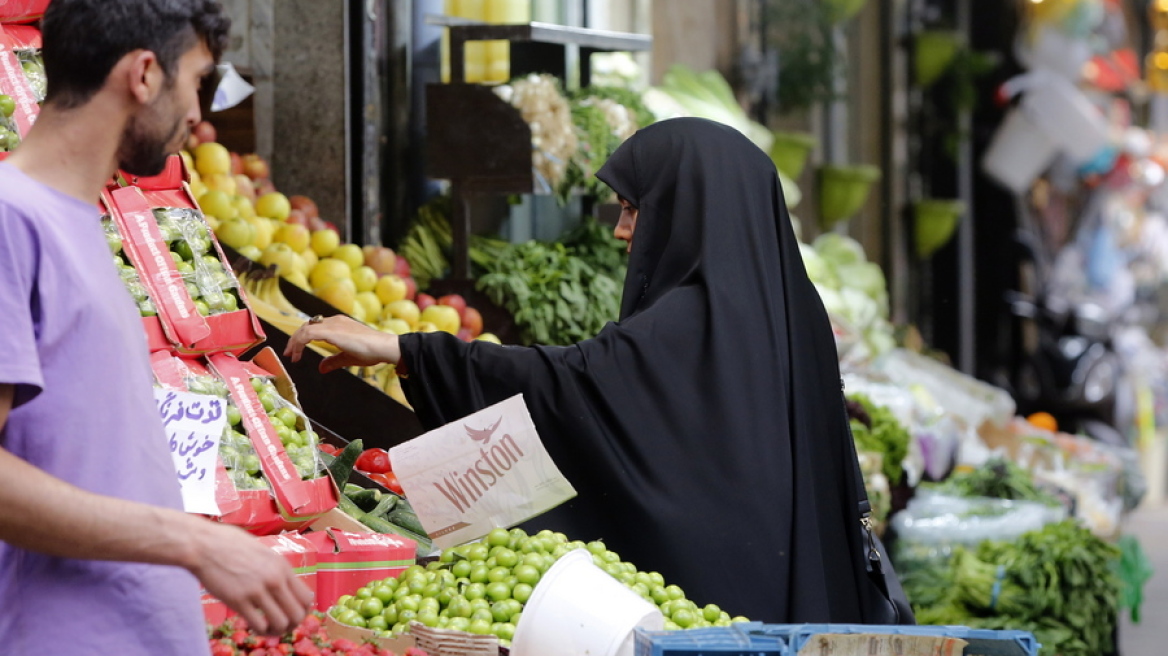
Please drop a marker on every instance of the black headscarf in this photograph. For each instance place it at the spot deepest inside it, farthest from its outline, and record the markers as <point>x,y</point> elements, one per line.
<point>704,431</point>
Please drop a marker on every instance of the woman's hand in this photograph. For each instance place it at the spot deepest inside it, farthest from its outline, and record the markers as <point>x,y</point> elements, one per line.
<point>360,345</point>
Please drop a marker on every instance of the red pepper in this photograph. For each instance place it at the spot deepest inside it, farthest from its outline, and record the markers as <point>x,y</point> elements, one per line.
<point>374,461</point>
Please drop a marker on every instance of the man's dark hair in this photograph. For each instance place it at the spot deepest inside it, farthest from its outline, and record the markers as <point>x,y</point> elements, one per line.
<point>84,39</point>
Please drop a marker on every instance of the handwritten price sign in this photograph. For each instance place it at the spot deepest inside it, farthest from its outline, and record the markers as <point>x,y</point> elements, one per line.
<point>194,423</point>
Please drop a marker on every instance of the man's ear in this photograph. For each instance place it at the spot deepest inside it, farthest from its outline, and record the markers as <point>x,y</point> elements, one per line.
<point>143,75</point>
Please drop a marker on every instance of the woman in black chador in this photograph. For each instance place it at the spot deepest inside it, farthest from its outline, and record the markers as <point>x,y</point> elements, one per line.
<point>705,430</point>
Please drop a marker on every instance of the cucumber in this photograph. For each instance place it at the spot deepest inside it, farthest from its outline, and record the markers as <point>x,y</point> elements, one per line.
<point>404,516</point>
<point>351,489</point>
<point>366,499</point>
<point>342,466</point>
<point>346,505</point>
<point>387,503</point>
<point>425,545</point>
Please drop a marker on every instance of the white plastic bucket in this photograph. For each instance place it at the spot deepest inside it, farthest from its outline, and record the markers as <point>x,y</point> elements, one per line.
<point>1052,49</point>
<point>1019,152</point>
<point>1067,117</point>
<point>577,608</point>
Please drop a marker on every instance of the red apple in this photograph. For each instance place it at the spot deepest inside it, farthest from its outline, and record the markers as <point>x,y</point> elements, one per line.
<point>332,226</point>
<point>316,223</point>
<point>296,216</point>
<point>455,301</point>
<point>411,288</point>
<point>255,167</point>
<point>424,301</point>
<point>305,204</point>
<point>472,321</point>
<point>205,132</point>
<point>464,335</point>
<point>402,267</point>
<point>192,142</point>
<point>236,164</point>
<point>264,186</point>
<point>245,188</point>
<point>382,260</point>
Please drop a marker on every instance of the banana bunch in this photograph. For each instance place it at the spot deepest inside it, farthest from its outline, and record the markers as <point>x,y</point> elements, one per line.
<point>270,304</point>
<point>427,241</point>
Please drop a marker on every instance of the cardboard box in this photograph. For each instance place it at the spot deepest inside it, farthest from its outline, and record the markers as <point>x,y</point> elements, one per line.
<point>300,554</point>
<point>178,324</point>
<point>12,79</point>
<point>337,630</point>
<point>22,11</point>
<point>296,503</point>
<point>347,561</point>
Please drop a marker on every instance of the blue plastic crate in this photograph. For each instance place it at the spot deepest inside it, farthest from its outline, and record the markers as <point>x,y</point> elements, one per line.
<point>982,642</point>
<point>739,640</point>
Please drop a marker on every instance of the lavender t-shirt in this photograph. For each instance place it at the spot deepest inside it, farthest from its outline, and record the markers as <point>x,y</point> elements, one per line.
<point>72,343</point>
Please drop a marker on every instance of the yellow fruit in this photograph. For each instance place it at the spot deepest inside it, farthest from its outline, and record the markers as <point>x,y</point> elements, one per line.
<point>297,278</point>
<point>340,294</point>
<point>489,337</point>
<point>427,327</point>
<point>328,270</point>
<point>274,206</point>
<point>358,312</point>
<point>404,309</point>
<point>263,230</point>
<point>350,254</point>
<point>324,242</point>
<point>283,257</point>
<point>390,288</point>
<point>211,158</point>
<point>217,204</point>
<point>396,326</point>
<point>442,316</point>
<point>365,278</point>
<point>251,252</point>
<point>195,177</point>
<point>236,233</point>
<point>368,300</point>
<point>221,182</point>
<point>198,188</point>
<point>293,234</point>
<point>243,207</point>
<point>310,259</point>
<point>188,162</point>
<point>212,221</point>
<point>298,260</point>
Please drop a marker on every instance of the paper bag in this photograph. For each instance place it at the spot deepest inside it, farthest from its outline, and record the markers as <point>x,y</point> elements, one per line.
<point>481,472</point>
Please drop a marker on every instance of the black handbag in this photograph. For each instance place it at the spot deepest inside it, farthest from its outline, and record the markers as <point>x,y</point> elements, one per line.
<point>882,600</point>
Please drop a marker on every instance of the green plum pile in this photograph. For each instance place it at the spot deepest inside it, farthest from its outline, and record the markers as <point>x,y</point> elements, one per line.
<point>8,136</point>
<point>481,588</point>
<point>213,289</point>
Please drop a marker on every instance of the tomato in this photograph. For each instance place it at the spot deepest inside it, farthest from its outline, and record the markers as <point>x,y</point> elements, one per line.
<point>329,449</point>
<point>388,481</point>
<point>374,461</point>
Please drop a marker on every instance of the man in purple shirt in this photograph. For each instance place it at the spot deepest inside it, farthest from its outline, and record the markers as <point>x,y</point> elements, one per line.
<point>96,556</point>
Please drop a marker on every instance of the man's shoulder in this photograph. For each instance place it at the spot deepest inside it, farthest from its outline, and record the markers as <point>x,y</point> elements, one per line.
<point>21,195</point>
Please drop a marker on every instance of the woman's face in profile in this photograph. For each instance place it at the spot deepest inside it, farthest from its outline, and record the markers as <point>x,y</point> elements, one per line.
<point>627,223</point>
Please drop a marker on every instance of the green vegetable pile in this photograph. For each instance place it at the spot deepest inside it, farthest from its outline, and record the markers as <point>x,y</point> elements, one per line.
<point>876,429</point>
<point>558,293</point>
<point>998,479</point>
<point>1059,583</point>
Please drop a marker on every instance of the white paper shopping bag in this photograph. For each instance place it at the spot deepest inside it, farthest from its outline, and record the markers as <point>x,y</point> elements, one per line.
<point>485,471</point>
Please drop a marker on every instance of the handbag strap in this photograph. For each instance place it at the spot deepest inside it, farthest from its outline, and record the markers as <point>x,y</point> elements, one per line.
<point>864,505</point>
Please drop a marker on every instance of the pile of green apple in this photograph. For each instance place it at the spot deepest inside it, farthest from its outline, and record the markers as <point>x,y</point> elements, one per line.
<point>482,587</point>
<point>9,139</point>
<point>298,438</point>
<point>212,288</point>
<point>33,66</point>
